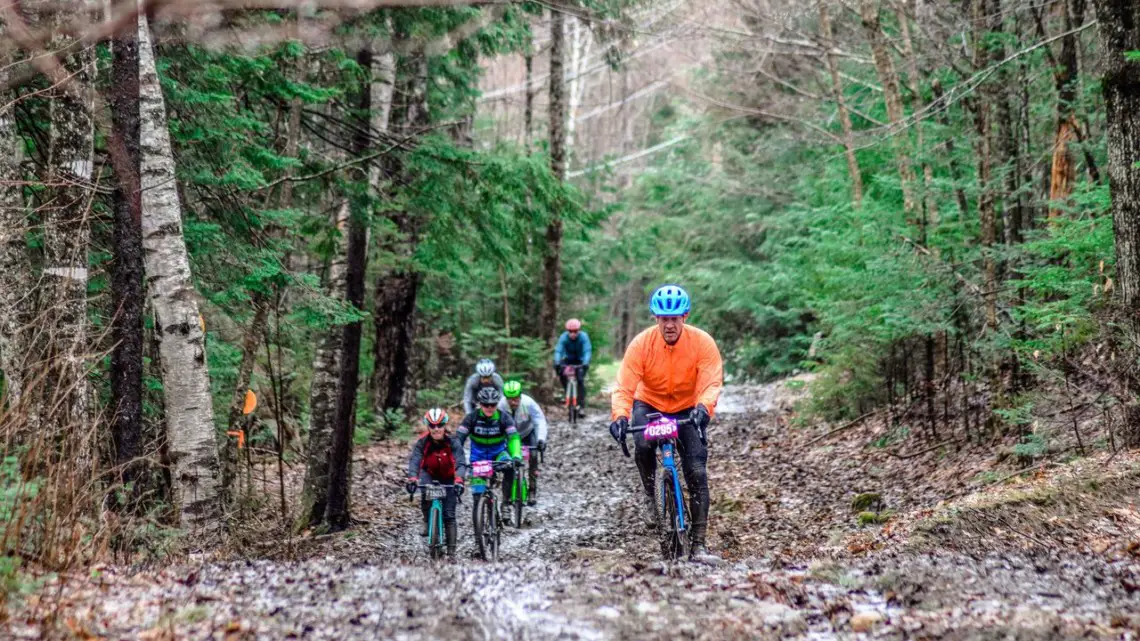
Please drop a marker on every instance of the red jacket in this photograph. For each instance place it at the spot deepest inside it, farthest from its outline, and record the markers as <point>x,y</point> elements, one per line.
<point>444,461</point>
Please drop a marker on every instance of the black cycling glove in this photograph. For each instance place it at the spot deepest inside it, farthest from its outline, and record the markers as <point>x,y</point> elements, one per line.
<point>700,418</point>
<point>618,427</point>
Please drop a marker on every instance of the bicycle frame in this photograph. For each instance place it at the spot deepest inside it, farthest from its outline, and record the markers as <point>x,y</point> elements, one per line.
<point>668,461</point>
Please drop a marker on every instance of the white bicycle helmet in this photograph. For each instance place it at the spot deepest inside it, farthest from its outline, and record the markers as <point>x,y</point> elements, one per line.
<point>485,367</point>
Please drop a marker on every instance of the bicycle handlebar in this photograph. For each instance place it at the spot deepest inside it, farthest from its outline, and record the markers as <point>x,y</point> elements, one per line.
<point>631,430</point>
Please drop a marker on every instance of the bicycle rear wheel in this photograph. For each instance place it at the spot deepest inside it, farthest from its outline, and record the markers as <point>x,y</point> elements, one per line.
<point>674,543</point>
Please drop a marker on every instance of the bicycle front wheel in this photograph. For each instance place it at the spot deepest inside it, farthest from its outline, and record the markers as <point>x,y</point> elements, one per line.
<point>435,530</point>
<point>520,497</point>
<point>674,543</point>
<point>572,402</point>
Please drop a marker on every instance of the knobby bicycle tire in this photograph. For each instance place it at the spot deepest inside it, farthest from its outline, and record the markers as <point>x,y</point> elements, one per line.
<point>435,530</point>
<point>519,497</point>
<point>674,542</point>
<point>572,401</point>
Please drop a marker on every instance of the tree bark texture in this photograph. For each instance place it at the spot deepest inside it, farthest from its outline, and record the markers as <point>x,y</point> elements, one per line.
<point>340,452</point>
<point>127,292</point>
<point>186,383</point>
<point>1118,22</point>
<point>323,394</point>
<point>552,258</point>
<point>62,320</point>
<point>15,269</point>
<point>841,105</point>
<point>888,78</point>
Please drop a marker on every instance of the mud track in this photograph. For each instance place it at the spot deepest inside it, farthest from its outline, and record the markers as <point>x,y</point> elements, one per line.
<point>583,568</point>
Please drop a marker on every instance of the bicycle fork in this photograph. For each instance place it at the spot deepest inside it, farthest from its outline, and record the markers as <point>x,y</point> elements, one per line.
<point>669,462</point>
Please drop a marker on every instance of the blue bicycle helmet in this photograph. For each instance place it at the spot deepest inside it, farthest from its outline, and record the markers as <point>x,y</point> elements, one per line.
<point>669,300</point>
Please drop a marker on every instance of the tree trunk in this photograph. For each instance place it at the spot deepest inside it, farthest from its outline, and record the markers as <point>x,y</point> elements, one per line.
<point>1118,22</point>
<point>888,78</point>
<point>552,258</point>
<point>579,59</point>
<point>323,395</point>
<point>62,322</point>
<point>1063,172</point>
<point>185,379</point>
<point>394,310</point>
<point>340,452</point>
<point>127,273</point>
<point>15,269</point>
<point>841,104</point>
<point>929,202</point>
<point>983,119</point>
<point>528,107</point>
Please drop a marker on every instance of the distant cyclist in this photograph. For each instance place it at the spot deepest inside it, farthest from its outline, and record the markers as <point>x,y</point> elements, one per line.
<point>484,376</point>
<point>438,456</point>
<point>675,370</point>
<point>573,348</point>
<point>493,437</point>
<point>531,424</point>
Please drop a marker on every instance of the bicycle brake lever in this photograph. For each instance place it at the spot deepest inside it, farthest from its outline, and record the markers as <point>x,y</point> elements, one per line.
<point>624,448</point>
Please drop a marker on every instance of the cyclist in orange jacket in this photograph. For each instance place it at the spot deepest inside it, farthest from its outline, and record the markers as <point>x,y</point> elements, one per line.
<point>675,370</point>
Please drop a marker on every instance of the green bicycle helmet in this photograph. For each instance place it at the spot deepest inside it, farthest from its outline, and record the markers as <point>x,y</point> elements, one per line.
<point>512,389</point>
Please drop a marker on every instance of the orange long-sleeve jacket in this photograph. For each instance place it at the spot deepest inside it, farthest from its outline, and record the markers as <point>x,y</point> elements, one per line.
<point>671,378</point>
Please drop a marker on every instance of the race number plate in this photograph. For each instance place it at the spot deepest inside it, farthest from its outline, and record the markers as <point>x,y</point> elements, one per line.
<point>482,469</point>
<point>662,429</point>
<point>526,453</point>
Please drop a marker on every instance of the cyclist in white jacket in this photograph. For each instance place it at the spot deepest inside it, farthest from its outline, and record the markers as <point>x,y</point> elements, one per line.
<point>531,424</point>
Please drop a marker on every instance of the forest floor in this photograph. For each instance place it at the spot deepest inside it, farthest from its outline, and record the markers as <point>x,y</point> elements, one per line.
<point>957,546</point>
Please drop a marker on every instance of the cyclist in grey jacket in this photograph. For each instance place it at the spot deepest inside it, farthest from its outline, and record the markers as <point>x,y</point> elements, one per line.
<point>484,376</point>
<point>531,424</point>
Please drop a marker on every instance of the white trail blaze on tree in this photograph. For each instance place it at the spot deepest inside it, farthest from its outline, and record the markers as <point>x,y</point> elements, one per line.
<point>185,380</point>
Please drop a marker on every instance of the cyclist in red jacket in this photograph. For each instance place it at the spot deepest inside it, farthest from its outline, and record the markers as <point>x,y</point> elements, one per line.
<point>438,456</point>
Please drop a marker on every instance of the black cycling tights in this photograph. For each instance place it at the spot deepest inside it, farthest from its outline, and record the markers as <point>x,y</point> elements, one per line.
<point>692,453</point>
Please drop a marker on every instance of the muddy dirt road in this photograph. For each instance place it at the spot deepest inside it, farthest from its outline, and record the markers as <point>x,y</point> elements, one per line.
<point>797,565</point>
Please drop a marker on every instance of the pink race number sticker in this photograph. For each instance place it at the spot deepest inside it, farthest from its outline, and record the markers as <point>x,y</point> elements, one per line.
<point>661,429</point>
<point>482,469</point>
<point>526,453</point>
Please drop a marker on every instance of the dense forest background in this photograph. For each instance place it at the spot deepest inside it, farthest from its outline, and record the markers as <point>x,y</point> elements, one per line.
<point>341,209</point>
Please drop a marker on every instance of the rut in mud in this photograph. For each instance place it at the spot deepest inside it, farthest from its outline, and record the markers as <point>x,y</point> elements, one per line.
<point>796,563</point>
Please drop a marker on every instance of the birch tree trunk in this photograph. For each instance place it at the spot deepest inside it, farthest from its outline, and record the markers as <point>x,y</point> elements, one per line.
<point>15,270</point>
<point>191,435</point>
<point>929,203</point>
<point>552,257</point>
<point>841,104</point>
<point>127,273</point>
<point>579,58</point>
<point>1118,22</point>
<point>397,287</point>
<point>62,323</point>
<point>323,393</point>
<point>889,79</point>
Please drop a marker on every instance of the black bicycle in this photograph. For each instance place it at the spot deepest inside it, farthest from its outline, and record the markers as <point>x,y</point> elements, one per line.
<point>486,512</point>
